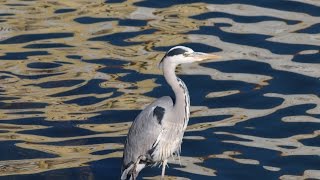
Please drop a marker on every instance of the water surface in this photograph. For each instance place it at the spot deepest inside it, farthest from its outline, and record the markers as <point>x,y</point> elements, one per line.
<point>74,74</point>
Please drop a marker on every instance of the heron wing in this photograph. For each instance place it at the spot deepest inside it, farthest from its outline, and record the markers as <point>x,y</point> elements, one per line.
<point>145,130</point>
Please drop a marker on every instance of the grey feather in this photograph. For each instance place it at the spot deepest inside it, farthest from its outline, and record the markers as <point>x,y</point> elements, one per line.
<point>144,132</point>
<point>156,134</point>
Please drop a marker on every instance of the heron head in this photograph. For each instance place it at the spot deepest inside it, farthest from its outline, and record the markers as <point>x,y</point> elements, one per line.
<point>181,54</point>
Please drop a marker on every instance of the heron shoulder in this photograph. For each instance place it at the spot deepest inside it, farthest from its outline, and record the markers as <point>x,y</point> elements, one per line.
<point>165,101</point>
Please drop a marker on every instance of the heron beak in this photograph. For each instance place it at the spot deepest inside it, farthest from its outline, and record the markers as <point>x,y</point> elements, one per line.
<point>199,56</point>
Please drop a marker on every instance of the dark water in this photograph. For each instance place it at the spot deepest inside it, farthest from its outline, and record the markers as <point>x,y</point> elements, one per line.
<point>74,74</point>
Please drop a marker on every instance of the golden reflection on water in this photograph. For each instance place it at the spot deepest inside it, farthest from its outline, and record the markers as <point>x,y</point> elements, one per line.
<point>25,91</point>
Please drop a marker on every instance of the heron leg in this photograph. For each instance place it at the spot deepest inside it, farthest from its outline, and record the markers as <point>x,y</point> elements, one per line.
<point>136,170</point>
<point>134,174</point>
<point>164,164</point>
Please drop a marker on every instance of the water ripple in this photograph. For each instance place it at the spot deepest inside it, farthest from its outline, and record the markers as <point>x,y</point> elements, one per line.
<point>74,74</point>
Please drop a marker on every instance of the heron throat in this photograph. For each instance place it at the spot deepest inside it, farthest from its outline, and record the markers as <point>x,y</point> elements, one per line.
<point>182,102</point>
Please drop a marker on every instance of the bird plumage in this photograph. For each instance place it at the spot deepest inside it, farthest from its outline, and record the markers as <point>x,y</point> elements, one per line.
<point>144,135</point>
<point>156,133</point>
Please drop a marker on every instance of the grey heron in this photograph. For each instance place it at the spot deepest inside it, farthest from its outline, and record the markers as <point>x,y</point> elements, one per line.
<point>156,133</point>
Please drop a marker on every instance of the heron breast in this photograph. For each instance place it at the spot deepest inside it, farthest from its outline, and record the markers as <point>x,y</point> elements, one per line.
<point>168,143</point>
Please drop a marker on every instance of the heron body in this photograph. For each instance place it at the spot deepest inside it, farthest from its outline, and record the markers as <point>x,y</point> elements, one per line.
<point>156,133</point>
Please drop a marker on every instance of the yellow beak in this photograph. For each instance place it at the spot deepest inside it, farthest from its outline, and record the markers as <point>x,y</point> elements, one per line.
<point>199,56</point>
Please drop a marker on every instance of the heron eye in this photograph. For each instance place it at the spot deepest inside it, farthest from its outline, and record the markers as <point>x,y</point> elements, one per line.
<point>186,54</point>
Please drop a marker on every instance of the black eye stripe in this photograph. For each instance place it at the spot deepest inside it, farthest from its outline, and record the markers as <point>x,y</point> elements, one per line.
<point>176,51</point>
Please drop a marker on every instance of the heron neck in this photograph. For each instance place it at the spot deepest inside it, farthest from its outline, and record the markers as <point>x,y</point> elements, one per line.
<point>180,90</point>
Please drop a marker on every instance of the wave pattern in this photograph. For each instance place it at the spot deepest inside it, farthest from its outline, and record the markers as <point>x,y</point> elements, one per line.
<point>74,74</point>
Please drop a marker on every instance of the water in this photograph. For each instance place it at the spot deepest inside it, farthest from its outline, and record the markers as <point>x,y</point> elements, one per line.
<point>74,74</point>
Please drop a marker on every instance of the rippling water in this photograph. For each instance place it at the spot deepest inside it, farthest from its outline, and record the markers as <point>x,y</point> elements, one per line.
<point>74,74</point>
